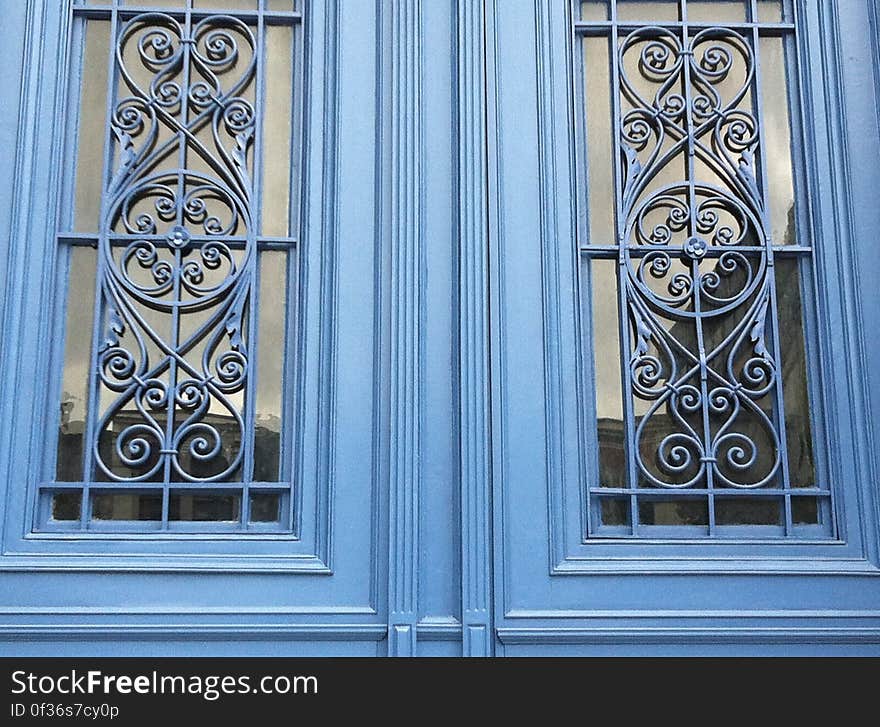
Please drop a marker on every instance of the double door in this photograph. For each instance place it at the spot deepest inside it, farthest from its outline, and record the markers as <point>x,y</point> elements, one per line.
<point>570,367</point>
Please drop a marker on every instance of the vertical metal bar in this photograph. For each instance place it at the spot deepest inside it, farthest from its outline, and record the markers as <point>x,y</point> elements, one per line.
<point>255,200</point>
<point>772,313</point>
<point>695,266</point>
<point>585,279</point>
<point>186,52</point>
<point>90,435</point>
<point>622,277</point>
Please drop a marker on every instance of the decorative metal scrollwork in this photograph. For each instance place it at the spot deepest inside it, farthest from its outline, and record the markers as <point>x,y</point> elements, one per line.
<point>177,252</point>
<point>695,249</point>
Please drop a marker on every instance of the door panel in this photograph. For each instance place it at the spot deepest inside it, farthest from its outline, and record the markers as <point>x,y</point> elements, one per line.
<point>562,581</point>
<point>292,592</point>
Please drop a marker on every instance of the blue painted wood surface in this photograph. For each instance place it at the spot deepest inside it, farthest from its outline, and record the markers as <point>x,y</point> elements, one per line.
<point>439,461</point>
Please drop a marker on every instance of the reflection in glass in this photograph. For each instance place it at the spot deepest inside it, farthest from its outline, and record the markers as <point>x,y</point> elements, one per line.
<point>66,506</point>
<point>127,506</point>
<point>747,511</point>
<point>769,11</point>
<point>686,511</point>
<point>271,348</point>
<point>204,507</point>
<point>605,343</point>
<point>280,5</point>
<point>149,3</point>
<point>798,430</point>
<point>225,4</point>
<point>615,511</point>
<point>593,10</point>
<point>600,144</point>
<point>777,141</point>
<point>92,122</point>
<point>278,131</point>
<point>77,361</point>
<point>265,507</point>
<point>652,10</point>
<point>716,11</point>
<point>805,510</point>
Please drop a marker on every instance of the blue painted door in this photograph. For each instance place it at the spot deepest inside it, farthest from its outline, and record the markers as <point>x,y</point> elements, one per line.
<point>681,455</point>
<point>206,302</point>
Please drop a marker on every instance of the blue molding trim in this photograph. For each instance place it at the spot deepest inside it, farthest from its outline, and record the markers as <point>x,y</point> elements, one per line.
<point>440,629</point>
<point>328,244</point>
<point>34,181</point>
<point>85,563</point>
<point>218,632</point>
<point>758,636</point>
<point>406,343</point>
<point>553,221</point>
<point>497,371</point>
<point>691,628</point>
<point>873,434</point>
<point>874,24</point>
<point>825,101</point>
<point>719,566</point>
<point>475,473</point>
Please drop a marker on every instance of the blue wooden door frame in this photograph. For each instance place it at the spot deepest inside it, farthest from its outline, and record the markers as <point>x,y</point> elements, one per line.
<point>439,445</point>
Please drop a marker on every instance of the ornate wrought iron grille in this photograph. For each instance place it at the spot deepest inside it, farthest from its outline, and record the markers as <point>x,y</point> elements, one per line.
<point>701,443</point>
<point>172,437</point>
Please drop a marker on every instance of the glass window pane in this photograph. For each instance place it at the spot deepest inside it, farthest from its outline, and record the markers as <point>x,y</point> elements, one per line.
<point>272,343</point>
<point>278,129</point>
<point>265,507</point>
<point>700,122</point>
<point>605,344</point>
<point>127,506</point>
<point>776,129</point>
<point>716,11</point>
<point>92,122</point>
<point>166,4</point>
<point>805,510</point>
<point>593,10</point>
<point>615,511</point>
<point>600,142</point>
<point>79,315</point>
<point>748,511</point>
<point>683,511</point>
<point>66,506</point>
<point>179,257</point>
<point>798,428</point>
<point>647,10</point>
<point>204,507</point>
<point>280,5</point>
<point>225,4</point>
<point>769,11</point>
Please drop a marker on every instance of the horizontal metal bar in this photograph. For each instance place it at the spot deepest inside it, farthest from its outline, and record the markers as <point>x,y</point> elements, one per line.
<point>277,243</point>
<point>105,487</point>
<point>271,17</point>
<point>177,527</point>
<point>671,493</point>
<point>604,27</point>
<point>78,239</point>
<point>604,251</point>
